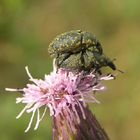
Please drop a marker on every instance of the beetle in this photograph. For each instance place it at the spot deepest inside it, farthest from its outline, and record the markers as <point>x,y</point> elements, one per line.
<point>79,50</point>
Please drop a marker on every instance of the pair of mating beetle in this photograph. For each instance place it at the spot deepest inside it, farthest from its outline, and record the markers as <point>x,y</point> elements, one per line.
<point>79,50</point>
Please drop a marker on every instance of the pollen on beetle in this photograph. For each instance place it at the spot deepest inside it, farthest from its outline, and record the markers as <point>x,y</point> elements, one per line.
<point>61,92</point>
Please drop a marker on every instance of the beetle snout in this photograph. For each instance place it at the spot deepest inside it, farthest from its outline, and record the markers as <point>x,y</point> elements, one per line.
<point>111,65</point>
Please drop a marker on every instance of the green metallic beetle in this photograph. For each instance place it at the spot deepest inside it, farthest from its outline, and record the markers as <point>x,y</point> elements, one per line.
<point>79,50</point>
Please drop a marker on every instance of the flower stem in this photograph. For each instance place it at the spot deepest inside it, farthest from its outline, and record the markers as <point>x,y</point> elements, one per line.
<point>87,129</point>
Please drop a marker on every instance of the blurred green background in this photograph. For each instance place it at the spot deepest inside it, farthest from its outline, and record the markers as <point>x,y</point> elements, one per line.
<point>26,29</point>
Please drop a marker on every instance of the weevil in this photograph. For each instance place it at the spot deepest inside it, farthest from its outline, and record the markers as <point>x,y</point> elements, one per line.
<point>79,50</point>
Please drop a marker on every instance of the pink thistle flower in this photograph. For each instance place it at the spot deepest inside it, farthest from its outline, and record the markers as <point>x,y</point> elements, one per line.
<point>63,92</point>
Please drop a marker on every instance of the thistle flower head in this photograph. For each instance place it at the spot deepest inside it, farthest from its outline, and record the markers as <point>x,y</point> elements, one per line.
<point>61,92</point>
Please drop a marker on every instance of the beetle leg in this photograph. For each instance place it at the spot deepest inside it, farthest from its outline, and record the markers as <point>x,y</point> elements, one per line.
<point>61,58</point>
<point>99,72</point>
<point>82,59</point>
<point>98,46</point>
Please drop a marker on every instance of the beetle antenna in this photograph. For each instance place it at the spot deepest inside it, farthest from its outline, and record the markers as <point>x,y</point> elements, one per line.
<point>120,71</point>
<point>114,59</point>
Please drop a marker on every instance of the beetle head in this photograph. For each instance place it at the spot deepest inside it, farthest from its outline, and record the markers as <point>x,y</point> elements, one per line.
<point>102,60</point>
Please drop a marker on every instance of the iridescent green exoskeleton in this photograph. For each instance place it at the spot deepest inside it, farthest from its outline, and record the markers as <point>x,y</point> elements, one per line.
<point>79,50</point>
